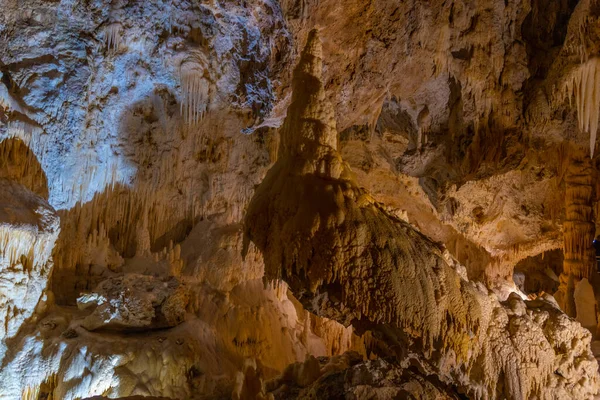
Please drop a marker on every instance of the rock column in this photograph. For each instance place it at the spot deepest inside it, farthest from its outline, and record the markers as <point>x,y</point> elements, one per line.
<point>578,230</point>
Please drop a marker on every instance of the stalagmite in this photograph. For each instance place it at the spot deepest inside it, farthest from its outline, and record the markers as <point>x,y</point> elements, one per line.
<point>585,305</point>
<point>346,258</point>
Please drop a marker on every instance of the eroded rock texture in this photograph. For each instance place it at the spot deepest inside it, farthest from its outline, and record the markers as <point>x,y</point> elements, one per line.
<point>135,302</point>
<point>347,377</point>
<point>348,258</point>
<point>428,150</point>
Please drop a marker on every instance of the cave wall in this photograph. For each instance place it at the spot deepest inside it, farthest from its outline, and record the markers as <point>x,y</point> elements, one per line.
<point>144,129</point>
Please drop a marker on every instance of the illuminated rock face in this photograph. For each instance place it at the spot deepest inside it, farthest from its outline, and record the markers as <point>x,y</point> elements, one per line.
<point>135,302</point>
<point>419,163</point>
<point>29,227</point>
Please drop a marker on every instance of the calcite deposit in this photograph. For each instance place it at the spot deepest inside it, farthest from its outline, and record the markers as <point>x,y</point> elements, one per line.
<point>310,199</point>
<point>349,259</point>
<point>29,228</point>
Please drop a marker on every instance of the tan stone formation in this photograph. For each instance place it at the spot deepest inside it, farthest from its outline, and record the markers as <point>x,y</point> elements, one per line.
<point>345,257</point>
<point>201,357</point>
<point>484,181</point>
<point>18,163</point>
<point>148,126</point>
<point>578,229</point>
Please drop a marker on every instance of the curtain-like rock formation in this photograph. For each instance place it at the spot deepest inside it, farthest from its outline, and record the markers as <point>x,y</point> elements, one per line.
<point>29,228</point>
<point>578,229</point>
<point>347,258</point>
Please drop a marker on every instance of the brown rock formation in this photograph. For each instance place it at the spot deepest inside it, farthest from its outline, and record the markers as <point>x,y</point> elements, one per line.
<point>148,126</point>
<point>348,377</point>
<point>135,302</point>
<point>578,229</point>
<point>345,257</point>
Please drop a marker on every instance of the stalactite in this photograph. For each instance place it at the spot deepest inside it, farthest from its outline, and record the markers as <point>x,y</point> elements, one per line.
<point>159,107</point>
<point>28,230</point>
<point>194,87</point>
<point>43,391</point>
<point>148,202</point>
<point>7,101</point>
<point>176,264</point>
<point>112,36</point>
<point>584,85</point>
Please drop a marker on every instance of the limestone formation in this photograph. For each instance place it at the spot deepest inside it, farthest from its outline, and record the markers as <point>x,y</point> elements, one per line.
<point>579,230</point>
<point>347,258</point>
<point>29,228</point>
<point>235,212</point>
<point>135,302</point>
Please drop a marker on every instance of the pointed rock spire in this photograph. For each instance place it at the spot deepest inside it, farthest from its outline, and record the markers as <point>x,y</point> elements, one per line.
<point>309,130</point>
<point>311,61</point>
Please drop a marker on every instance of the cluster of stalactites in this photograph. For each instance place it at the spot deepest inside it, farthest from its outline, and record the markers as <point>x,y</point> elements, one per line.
<point>123,209</point>
<point>18,163</point>
<point>24,247</point>
<point>195,88</point>
<point>278,287</point>
<point>24,255</point>
<point>172,255</point>
<point>578,229</point>
<point>28,132</point>
<point>112,36</point>
<point>46,389</point>
<point>584,85</point>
